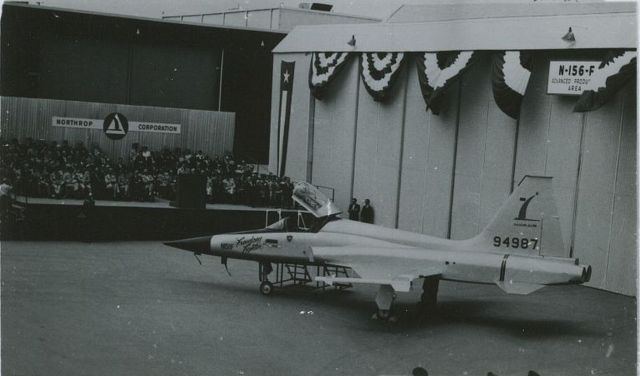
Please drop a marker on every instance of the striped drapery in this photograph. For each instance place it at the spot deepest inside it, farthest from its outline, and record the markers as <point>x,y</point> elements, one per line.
<point>379,71</point>
<point>511,71</point>
<point>209,131</point>
<point>438,70</point>
<point>325,66</point>
<point>615,71</point>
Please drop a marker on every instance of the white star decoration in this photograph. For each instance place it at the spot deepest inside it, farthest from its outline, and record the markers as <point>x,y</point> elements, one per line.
<point>286,76</point>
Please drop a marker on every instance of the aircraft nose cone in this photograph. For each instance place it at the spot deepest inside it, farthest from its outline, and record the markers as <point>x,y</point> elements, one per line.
<point>200,244</point>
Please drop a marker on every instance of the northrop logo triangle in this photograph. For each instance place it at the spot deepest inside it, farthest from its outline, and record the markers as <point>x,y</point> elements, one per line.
<point>115,126</point>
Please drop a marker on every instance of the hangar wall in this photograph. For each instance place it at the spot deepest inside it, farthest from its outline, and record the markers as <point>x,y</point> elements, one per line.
<point>447,175</point>
<point>209,131</point>
<point>69,55</point>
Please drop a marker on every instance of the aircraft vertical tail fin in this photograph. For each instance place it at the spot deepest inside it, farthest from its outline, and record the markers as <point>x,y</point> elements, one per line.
<point>527,222</point>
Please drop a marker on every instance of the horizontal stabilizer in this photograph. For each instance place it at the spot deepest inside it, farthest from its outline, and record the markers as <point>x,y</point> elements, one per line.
<point>518,288</point>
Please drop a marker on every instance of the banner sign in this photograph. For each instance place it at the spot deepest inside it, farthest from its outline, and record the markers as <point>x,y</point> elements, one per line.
<point>115,124</point>
<point>570,77</point>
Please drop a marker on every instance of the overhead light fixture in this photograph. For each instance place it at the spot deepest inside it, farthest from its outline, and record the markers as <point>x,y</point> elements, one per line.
<point>352,42</point>
<point>569,37</point>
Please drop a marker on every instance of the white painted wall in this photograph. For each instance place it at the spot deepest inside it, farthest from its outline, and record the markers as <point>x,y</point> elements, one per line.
<point>447,175</point>
<point>484,157</point>
<point>427,165</point>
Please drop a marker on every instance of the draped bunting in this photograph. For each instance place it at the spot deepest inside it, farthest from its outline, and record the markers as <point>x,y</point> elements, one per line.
<point>437,71</point>
<point>615,71</point>
<point>510,75</point>
<point>324,68</point>
<point>380,71</point>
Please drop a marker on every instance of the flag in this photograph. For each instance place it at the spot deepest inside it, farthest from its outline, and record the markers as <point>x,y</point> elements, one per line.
<point>613,73</point>
<point>510,75</point>
<point>379,72</point>
<point>286,89</point>
<point>324,68</point>
<point>438,70</point>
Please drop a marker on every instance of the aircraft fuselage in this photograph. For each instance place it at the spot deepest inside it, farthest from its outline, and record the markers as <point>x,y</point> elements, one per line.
<point>461,260</point>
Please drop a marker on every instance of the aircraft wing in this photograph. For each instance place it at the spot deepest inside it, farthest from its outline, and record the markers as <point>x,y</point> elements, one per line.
<point>375,265</point>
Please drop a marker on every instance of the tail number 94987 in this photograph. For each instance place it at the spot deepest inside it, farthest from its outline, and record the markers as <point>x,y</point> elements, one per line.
<point>514,242</point>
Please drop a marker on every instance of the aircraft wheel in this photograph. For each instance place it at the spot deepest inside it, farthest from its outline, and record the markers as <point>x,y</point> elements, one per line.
<point>266,288</point>
<point>384,314</point>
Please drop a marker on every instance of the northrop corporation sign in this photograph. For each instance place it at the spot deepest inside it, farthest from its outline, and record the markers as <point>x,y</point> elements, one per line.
<point>134,126</point>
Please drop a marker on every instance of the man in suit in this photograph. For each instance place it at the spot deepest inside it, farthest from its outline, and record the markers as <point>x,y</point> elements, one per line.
<point>366,214</point>
<point>354,210</point>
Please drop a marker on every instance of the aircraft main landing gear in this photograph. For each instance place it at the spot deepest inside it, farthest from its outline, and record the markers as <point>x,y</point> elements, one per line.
<point>383,314</point>
<point>384,300</point>
<point>429,297</point>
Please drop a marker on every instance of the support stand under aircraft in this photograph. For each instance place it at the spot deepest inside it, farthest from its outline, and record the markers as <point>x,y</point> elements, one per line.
<point>344,253</point>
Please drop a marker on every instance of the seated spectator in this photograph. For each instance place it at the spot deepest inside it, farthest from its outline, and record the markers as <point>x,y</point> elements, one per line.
<point>123,185</point>
<point>229,188</point>
<point>6,197</point>
<point>147,185</point>
<point>57,179</point>
<point>111,185</point>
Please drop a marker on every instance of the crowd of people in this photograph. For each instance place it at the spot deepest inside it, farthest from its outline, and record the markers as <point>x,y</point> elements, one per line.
<point>39,168</point>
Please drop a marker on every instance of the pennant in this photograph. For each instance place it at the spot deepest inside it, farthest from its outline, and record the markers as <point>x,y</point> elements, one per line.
<point>613,73</point>
<point>380,71</point>
<point>437,71</point>
<point>325,66</point>
<point>286,90</point>
<point>510,75</point>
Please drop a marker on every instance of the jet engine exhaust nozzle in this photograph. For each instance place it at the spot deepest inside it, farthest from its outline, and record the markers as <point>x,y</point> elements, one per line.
<point>586,274</point>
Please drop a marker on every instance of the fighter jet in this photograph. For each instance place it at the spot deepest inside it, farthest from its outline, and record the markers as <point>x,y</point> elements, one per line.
<point>509,252</point>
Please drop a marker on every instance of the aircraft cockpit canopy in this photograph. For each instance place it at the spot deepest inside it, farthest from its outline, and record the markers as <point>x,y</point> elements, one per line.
<point>313,200</point>
<point>286,224</point>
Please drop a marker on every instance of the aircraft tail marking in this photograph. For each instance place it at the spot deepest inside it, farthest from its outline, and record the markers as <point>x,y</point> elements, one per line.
<point>527,222</point>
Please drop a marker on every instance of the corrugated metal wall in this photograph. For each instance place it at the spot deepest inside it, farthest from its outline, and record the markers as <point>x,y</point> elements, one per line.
<point>447,175</point>
<point>209,131</point>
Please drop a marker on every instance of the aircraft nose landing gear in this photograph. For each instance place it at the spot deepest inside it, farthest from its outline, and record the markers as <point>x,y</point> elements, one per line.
<point>266,288</point>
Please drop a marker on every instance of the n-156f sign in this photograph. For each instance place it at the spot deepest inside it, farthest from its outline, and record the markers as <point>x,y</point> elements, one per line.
<point>570,77</point>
